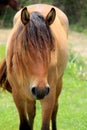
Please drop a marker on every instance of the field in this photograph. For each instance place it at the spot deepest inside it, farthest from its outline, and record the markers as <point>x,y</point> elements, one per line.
<point>72,114</point>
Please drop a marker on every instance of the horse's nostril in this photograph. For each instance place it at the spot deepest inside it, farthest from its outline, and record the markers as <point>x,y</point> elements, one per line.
<point>40,93</point>
<point>34,91</point>
<point>47,90</point>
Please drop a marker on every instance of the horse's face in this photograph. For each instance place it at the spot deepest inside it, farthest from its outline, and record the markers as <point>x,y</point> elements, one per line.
<point>38,71</point>
<point>37,47</point>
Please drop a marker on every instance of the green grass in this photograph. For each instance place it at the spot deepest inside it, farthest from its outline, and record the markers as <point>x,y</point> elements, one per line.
<point>72,114</point>
<point>73,100</point>
<point>2,51</point>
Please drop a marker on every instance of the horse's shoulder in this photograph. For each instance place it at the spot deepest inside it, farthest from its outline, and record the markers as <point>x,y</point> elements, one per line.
<point>62,18</point>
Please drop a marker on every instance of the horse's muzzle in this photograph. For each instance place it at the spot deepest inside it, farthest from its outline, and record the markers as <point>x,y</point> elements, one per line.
<point>39,93</point>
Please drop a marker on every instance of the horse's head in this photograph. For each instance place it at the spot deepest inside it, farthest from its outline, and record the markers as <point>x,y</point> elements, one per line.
<point>34,43</point>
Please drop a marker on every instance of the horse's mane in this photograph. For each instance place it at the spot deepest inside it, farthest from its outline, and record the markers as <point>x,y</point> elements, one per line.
<point>36,33</point>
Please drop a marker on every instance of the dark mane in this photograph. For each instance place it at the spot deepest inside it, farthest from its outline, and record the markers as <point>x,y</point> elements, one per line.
<point>36,33</point>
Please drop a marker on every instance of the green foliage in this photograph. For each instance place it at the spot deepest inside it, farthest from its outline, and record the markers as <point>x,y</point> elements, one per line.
<point>72,114</point>
<point>27,2</point>
<point>75,10</point>
<point>78,28</point>
<point>6,17</point>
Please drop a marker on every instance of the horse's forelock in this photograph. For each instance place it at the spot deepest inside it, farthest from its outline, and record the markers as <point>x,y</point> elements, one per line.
<point>36,33</point>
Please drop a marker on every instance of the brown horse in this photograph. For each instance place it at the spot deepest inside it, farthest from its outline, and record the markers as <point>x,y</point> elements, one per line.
<point>36,58</point>
<point>12,3</point>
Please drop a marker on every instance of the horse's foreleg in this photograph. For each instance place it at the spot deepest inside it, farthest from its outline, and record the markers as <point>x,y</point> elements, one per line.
<point>24,125</point>
<point>47,108</point>
<point>31,109</point>
<point>54,113</point>
<point>21,104</point>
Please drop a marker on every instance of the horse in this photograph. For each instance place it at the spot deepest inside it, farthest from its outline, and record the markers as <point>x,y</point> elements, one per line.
<point>12,3</point>
<point>36,58</point>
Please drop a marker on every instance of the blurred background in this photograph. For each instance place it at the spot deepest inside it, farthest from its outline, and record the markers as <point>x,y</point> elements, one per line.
<point>72,113</point>
<point>76,10</point>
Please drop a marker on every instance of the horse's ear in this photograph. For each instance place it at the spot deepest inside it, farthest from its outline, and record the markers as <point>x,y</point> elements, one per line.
<point>51,16</point>
<point>25,16</point>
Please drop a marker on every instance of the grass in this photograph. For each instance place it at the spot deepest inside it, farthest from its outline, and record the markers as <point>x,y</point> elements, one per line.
<point>2,51</point>
<point>72,114</point>
<point>73,100</point>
